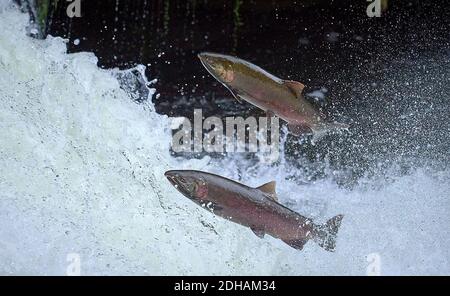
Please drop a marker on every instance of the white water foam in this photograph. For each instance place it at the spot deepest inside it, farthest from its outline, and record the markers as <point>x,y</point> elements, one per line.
<point>81,171</point>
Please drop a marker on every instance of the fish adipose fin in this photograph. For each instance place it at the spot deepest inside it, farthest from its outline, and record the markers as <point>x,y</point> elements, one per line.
<point>296,244</point>
<point>295,86</point>
<point>269,189</point>
<point>324,129</point>
<point>325,235</point>
<point>259,232</point>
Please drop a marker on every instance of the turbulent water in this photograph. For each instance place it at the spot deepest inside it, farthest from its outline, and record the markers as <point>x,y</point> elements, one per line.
<point>81,171</point>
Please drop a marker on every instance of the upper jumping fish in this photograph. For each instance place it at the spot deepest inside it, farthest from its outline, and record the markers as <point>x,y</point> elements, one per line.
<point>256,208</point>
<point>279,97</point>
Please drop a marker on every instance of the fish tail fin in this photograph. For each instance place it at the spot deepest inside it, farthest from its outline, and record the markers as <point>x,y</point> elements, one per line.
<point>325,235</point>
<point>329,127</point>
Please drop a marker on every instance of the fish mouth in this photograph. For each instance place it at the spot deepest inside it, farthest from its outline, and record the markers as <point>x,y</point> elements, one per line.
<point>171,177</point>
<point>209,61</point>
<point>203,56</point>
<point>214,63</point>
<point>178,182</point>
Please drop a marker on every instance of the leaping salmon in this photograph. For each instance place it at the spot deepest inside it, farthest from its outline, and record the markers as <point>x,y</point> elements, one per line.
<point>275,96</point>
<point>256,208</point>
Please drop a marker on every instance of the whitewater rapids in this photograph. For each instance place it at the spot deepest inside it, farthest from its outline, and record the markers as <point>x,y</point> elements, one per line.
<point>82,171</point>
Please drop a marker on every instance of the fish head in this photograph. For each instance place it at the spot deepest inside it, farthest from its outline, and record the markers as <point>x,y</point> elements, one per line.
<point>219,66</point>
<point>190,183</point>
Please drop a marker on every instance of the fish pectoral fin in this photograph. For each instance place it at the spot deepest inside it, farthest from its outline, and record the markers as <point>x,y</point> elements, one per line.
<point>259,232</point>
<point>295,86</point>
<point>235,95</point>
<point>237,98</point>
<point>296,244</point>
<point>298,129</point>
<point>269,190</point>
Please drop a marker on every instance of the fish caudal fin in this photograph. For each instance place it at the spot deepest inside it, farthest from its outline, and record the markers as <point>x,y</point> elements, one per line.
<point>325,235</point>
<point>329,127</point>
<point>298,130</point>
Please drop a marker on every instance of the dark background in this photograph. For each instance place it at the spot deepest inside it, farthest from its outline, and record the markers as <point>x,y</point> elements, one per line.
<point>388,77</point>
<point>312,41</point>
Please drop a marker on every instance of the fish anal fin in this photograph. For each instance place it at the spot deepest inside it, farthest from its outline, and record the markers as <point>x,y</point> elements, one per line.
<point>269,190</point>
<point>299,129</point>
<point>297,243</point>
<point>259,232</point>
<point>295,86</point>
<point>270,113</point>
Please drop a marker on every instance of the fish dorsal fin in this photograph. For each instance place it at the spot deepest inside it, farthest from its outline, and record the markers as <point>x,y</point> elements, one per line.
<point>295,86</point>
<point>269,189</point>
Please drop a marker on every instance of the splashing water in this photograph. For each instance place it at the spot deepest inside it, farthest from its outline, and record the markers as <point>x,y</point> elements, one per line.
<point>82,171</point>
